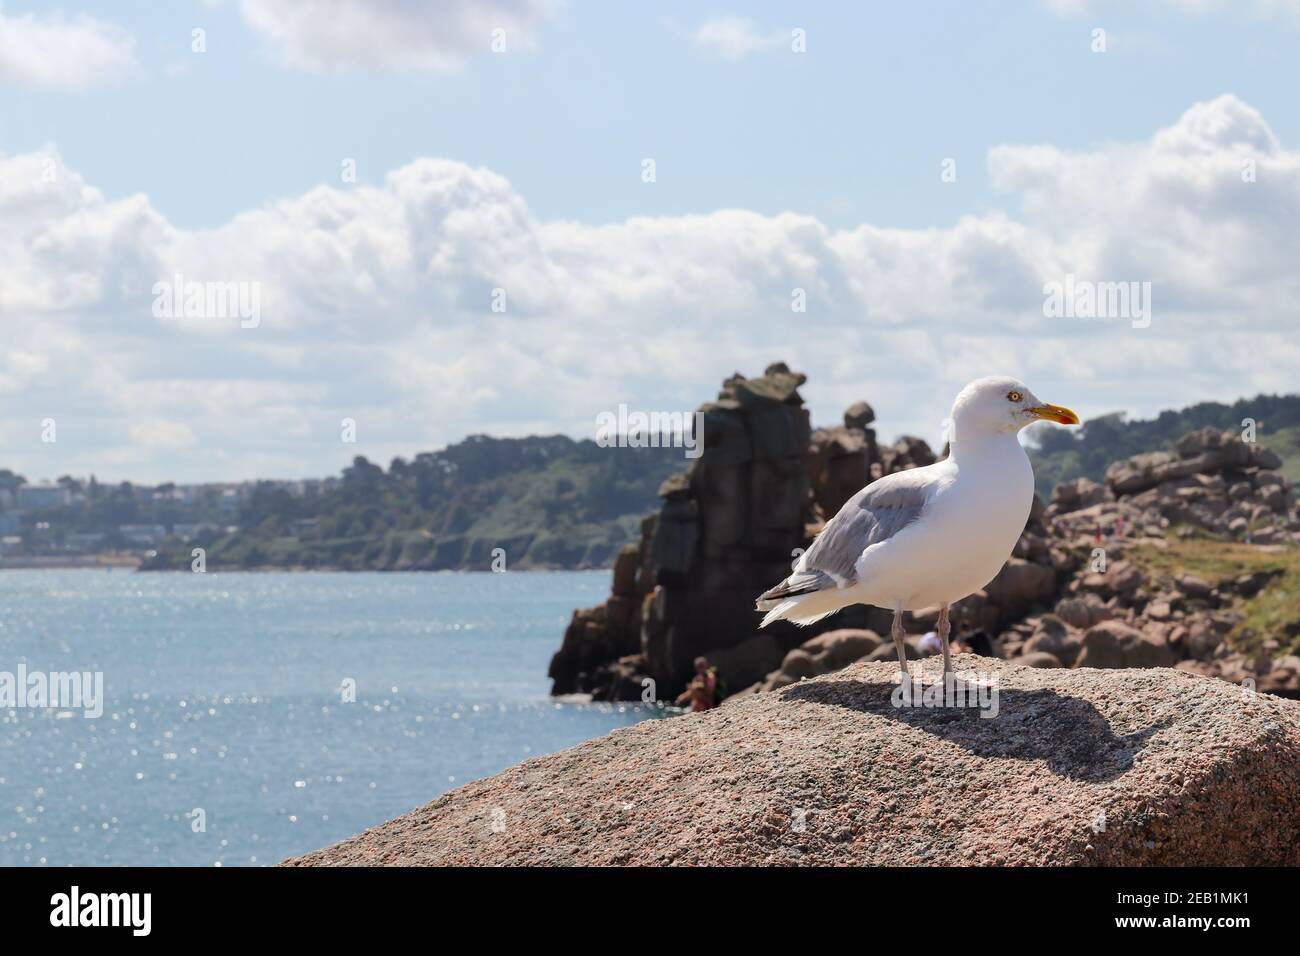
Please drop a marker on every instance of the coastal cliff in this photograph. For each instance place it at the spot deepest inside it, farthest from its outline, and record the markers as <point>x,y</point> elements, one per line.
<point>1084,767</point>
<point>727,529</point>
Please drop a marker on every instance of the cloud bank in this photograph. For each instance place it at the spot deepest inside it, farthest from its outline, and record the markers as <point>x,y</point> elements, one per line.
<point>377,304</point>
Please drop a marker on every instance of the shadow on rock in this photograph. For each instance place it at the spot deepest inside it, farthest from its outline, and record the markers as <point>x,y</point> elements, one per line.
<point>1067,733</point>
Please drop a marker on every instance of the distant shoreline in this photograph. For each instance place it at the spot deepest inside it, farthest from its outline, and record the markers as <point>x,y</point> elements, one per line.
<point>37,563</point>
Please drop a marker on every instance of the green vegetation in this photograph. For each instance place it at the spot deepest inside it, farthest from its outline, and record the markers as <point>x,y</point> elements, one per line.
<point>1272,613</point>
<point>1060,454</point>
<point>546,502</point>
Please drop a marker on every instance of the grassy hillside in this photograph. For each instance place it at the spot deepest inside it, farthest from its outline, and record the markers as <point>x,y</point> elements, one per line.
<point>1273,613</point>
<point>545,501</point>
<point>555,502</point>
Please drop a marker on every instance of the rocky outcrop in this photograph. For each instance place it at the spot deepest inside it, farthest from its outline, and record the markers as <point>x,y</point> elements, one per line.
<point>1068,595</point>
<point>825,653</point>
<point>1114,614</point>
<point>1213,480</point>
<point>1151,767</point>
<point>727,530</point>
<point>729,524</point>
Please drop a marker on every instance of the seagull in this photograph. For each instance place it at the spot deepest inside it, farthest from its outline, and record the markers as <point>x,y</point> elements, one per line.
<point>928,535</point>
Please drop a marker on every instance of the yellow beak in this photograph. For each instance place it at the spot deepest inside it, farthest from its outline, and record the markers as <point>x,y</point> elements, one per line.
<point>1055,413</point>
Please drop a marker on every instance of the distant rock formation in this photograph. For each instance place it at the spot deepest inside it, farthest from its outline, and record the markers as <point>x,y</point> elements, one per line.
<point>727,530</point>
<point>1213,481</point>
<point>1206,451</point>
<point>1148,767</point>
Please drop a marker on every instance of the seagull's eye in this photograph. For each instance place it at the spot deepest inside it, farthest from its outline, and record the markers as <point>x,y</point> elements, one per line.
<point>1014,396</point>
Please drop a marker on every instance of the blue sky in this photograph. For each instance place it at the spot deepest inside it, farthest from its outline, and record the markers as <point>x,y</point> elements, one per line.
<point>521,170</point>
<point>851,132</point>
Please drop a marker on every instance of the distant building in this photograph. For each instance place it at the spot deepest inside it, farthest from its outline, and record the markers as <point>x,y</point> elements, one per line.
<point>83,540</point>
<point>41,496</point>
<point>142,533</point>
<point>10,522</point>
<point>10,544</point>
<point>188,531</point>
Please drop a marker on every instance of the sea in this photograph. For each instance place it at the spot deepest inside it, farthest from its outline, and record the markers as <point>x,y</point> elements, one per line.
<point>249,717</point>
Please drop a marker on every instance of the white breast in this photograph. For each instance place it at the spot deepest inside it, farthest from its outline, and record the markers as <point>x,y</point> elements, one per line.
<point>961,541</point>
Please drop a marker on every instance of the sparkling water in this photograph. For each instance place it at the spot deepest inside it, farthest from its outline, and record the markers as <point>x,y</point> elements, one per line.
<point>228,736</point>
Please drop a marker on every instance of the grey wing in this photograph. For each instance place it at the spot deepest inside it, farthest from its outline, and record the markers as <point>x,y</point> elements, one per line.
<point>875,514</point>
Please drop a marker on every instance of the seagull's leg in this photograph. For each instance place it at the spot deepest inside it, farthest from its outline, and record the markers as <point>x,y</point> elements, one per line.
<point>897,633</point>
<point>943,627</point>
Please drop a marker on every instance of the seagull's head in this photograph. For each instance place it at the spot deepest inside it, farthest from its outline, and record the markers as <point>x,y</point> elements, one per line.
<point>1003,404</point>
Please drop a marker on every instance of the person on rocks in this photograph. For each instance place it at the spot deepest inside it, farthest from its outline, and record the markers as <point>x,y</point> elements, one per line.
<point>702,691</point>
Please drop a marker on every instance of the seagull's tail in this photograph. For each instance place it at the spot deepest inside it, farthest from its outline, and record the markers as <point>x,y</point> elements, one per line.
<point>805,597</point>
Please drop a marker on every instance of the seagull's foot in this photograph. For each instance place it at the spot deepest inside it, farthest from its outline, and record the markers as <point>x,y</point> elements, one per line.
<point>957,687</point>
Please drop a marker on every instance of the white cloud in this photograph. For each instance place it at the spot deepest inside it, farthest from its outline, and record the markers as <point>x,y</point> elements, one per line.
<point>54,52</point>
<point>734,38</point>
<point>376,305</point>
<point>322,35</point>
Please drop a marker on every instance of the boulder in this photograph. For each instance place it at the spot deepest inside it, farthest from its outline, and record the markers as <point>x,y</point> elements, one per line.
<point>1021,583</point>
<point>1080,493</point>
<point>836,649</point>
<point>1193,586</point>
<point>908,452</point>
<point>1202,639</point>
<point>887,652</point>
<point>1083,611</point>
<point>797,665</point>
<point>1103,645</point>
<point>1148,649</point>
<point>1064,646</point>
<point>1123,577</point>
<point>1116,644</point>
<point>1157,767</point>
<point>1159,610</point>
<point>859,415</point>
<point>839,462</point>
<point>749,661</point>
